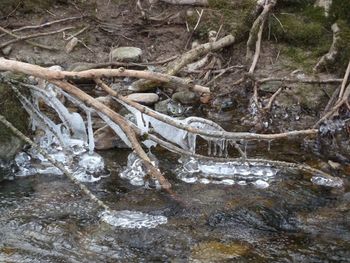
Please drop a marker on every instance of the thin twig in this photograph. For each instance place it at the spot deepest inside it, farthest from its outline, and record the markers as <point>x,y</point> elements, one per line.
<point>27,41</point>
<point>21,38</point>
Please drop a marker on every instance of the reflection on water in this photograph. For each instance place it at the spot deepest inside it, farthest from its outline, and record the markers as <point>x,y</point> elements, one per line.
<point>46,219</point>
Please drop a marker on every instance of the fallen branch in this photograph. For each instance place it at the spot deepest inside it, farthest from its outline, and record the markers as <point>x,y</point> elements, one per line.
<point>300,80</point>
<point>90,101</point>
<point>21,38</point>
<point>213,134</point>
<point>45,73</point>
<point>188,57</point>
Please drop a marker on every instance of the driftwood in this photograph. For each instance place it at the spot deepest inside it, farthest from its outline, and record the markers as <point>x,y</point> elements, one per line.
<point>45,73</point>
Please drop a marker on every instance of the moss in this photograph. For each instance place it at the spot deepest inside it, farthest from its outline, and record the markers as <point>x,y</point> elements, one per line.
<point>299,31</point>
<point>13,111</point>
<point>340,10</point>
<point>234,16</point>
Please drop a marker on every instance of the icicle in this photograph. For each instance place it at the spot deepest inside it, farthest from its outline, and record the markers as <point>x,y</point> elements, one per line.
<point>40,118</point>
<point>269,145</point>
<point>226,148</point>
<point>209,147</point>
<point>214,145</point>
<point>90,132</point>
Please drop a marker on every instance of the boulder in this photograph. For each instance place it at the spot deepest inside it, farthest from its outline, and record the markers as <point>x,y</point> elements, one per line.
<point>126,54</point>
<point>144,98</point>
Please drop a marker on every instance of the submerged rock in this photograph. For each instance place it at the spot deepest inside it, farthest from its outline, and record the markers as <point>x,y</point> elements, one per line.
<point>126,54</point>
<point>105,138</point>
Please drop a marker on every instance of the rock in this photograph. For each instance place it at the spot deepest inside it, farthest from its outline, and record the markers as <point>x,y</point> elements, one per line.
<point>71,44</point>
<point>144,98</point>
<point>126,54</point>
<point>105,138</point>
<point>334,165</point>
<point>7,50</point>
<point>80,66</point>
<point>185,97</point>
<point>170,107</point>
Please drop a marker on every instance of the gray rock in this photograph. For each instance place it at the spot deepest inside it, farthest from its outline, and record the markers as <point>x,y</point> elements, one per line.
<point>185,97</point>
<point>71,44</point>
<point>105,139</point>
<point>170,107</point>
<point>7,50</point>
<point>126,54</point>
<point>144,98</point>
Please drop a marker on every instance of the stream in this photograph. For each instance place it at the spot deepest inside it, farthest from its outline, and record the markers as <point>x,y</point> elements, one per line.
<point>45,218</point>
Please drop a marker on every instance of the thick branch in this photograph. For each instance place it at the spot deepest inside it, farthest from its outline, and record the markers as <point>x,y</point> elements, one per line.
<point>45,73</point>
<point>90,101</point>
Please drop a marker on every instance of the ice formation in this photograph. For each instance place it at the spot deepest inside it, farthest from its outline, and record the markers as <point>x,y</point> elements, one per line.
<point>68,140</point>
<point>227,173</point>
<point>325,181</point>
<point>132,219</point>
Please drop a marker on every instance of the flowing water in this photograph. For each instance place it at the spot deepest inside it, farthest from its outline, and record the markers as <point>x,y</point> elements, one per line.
<point>44,218</point>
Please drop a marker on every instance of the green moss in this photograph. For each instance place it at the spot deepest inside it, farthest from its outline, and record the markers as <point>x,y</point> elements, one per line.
<point>340,9</point>
<point>234,16</point>
<point>299,31</point>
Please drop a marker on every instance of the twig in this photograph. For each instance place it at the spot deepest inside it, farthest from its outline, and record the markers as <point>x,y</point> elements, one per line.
<point>301,80</point>
<point>33,36</point>
<point>90,101</point>
<point>27,41</point>
<point>188,57</point>
<point>272,99</point>
<point>47,23</point>
<point>345,80</point>
<point>77,34</point>
<point>213,134</point>
<point>250,161</point>
<point>257,48</point>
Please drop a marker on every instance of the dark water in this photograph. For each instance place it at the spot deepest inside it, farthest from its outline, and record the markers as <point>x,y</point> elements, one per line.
<point>46,219</point>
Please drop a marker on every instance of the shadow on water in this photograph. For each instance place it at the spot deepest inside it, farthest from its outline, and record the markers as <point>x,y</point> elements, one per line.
<point>46,219</point>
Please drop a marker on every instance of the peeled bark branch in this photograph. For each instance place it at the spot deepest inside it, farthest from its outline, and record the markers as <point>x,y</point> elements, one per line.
<point>45,73</point>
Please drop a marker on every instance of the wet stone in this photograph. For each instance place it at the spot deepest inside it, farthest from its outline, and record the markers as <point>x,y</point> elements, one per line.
<point>186,97</point>
<point>126,54</point>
